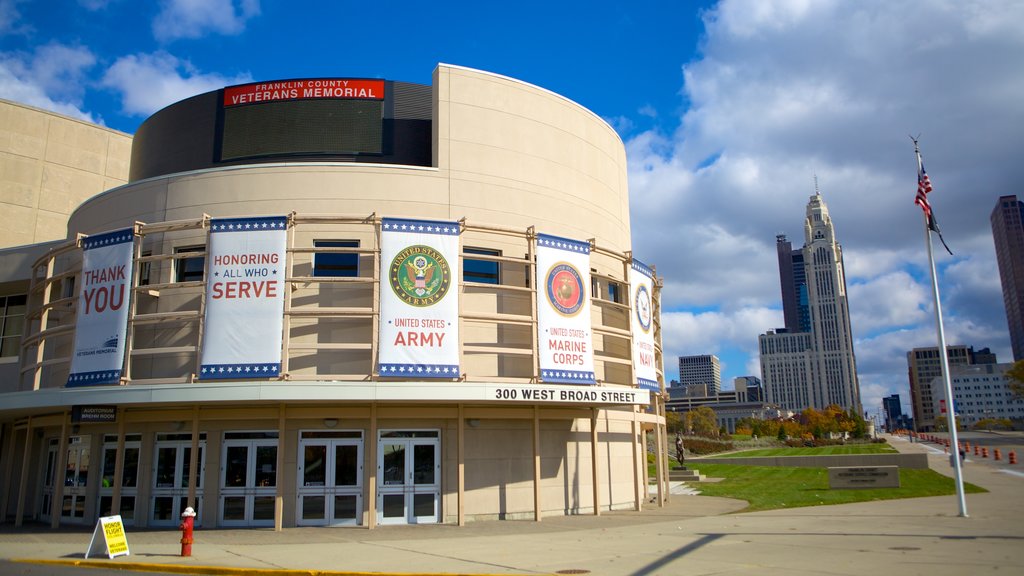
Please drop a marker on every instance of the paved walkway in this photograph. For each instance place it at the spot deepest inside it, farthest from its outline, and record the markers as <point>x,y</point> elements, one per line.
<point>695,535</point>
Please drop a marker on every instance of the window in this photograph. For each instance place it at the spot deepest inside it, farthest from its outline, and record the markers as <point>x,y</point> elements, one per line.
<point>335,263</point>
<point>615,292</point>
<point>482,271</point>
<point>12,323</point>
<point>145,268</point>
<point>189,269</point>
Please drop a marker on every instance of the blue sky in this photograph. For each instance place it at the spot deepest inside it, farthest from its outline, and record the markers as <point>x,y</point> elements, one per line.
<point>728,110</point>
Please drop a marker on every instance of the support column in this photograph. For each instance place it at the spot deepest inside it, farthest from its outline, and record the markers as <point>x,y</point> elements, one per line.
<point>371,483</point>
<point>115,498</point>
<point>60,470</point>
<point>193,460</point>
<point>639,490</point>
<point>593,462</point>
<point>659,453</point>
<point>536,464</point>
<point>279,494</point>
<point>5,498</point>
<point>23,482</point>
<point>462,465</point>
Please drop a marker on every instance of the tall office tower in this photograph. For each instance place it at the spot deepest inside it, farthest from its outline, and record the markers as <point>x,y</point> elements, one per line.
<point>924,364</point>
<point>794,286</point>
<point>830,312</point>
<point>829,368</point>
<point>701,370</point>
<point>1008,234</point>
<point>893,412</point>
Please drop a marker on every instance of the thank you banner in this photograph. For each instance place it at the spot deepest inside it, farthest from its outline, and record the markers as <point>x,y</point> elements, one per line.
<point>641,283</point>
<point>102,322</point>
<point>244,298</point>
<point>564,337</point>
<point>419,300</point>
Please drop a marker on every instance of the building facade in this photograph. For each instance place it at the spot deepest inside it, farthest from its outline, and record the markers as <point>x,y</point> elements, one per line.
<point>925,365</point>
<point>701,373</point>
<point>819,368</point>
<point>1008,234</point>
<point>980,392</point>
<point>326,205</point>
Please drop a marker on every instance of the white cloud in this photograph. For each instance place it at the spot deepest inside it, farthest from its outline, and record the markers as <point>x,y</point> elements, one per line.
<point>148,82</point>
<point>10,17</point>
<point>52,78</point>
<point>785,90</point>
<point>196,18</point>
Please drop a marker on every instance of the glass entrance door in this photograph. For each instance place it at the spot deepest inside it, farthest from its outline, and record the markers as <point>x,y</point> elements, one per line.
<point>170,478</point>
<point>76,478</point>
<point>409,477</point>
<point>248,479</point>
<point>330,483</point>
<point>129,477</point>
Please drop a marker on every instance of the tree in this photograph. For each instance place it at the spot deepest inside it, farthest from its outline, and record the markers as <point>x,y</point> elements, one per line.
<point>673,422</point>
<point>1015,376</point>
<point>702,421</point>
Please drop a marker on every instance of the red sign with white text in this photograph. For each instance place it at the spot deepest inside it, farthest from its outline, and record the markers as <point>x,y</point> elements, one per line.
<point>312,89</point>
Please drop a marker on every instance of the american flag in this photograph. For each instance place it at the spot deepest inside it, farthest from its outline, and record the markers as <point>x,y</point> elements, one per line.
<point>924,187</point>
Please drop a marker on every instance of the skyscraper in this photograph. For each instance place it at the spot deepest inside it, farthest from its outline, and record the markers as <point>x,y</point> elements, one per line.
<point>794,286</point>
<point>702,370</point>
<point>1008,234</point>
<point>814,365</point>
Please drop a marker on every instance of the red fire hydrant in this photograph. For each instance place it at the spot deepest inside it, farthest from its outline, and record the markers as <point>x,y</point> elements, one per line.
<point>188,518</point>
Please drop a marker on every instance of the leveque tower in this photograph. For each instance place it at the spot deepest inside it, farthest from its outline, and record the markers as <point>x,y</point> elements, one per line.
<point>812,364</point>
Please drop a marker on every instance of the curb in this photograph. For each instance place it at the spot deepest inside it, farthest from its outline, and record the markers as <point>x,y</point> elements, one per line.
<point>229,571</point>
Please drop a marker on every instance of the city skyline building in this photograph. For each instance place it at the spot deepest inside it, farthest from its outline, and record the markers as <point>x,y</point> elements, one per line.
<point>924,366</point>
<point>1008,236</point>
<point>701,372</point>
<point>816,367</point>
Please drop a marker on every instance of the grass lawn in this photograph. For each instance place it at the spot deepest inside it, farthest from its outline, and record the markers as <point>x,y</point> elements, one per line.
<point>813,451</point>
<point>769,487</point>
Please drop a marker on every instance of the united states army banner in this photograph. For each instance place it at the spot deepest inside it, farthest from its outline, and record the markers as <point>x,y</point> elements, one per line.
<point>564,339</point>
<point>419,300</point>
<point>641,283</point>
<point>102,322</point>
<point>245,287</point>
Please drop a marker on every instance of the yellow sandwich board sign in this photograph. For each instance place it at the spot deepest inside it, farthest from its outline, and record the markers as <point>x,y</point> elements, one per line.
<point>112,539</point>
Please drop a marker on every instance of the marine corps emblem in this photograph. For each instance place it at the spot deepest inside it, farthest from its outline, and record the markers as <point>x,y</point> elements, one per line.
<point>643,307</point>
<point>565,289</point>
<point>420,276</point>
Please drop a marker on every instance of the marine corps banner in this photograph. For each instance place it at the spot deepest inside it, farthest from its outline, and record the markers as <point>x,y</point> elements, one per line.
<point>244,298</point>
<point>419,301</point>
<point>641,283</point>
<point>102,323</point>
<point>564,337</point>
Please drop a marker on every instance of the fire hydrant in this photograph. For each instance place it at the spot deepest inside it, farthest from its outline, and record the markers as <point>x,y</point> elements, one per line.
<point>188,518</point>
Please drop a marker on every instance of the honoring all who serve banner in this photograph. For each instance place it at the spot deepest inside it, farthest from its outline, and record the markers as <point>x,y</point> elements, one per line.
<point>564,338</point>
<point>102,322</point>
<point>641,282</point>
<point>244,298</point>
<point>419,307</point>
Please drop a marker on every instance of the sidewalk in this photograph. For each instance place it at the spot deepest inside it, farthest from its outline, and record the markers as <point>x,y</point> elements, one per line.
<point>692,535</point>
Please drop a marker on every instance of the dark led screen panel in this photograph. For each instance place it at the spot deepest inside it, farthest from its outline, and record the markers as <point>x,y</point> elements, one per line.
<point>323,126</point>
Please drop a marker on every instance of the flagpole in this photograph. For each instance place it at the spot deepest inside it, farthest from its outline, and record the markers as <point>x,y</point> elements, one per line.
<point>944,359</point>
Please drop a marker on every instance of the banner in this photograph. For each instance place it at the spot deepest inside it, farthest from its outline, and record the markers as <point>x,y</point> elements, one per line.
<point>244,298</point>
<point>419,301</point>
<point>564,337</point>
<point>641,282</point>
<point>102,323</point>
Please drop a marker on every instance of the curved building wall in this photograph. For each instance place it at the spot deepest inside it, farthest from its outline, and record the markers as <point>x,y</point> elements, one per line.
<point>509,160</point>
